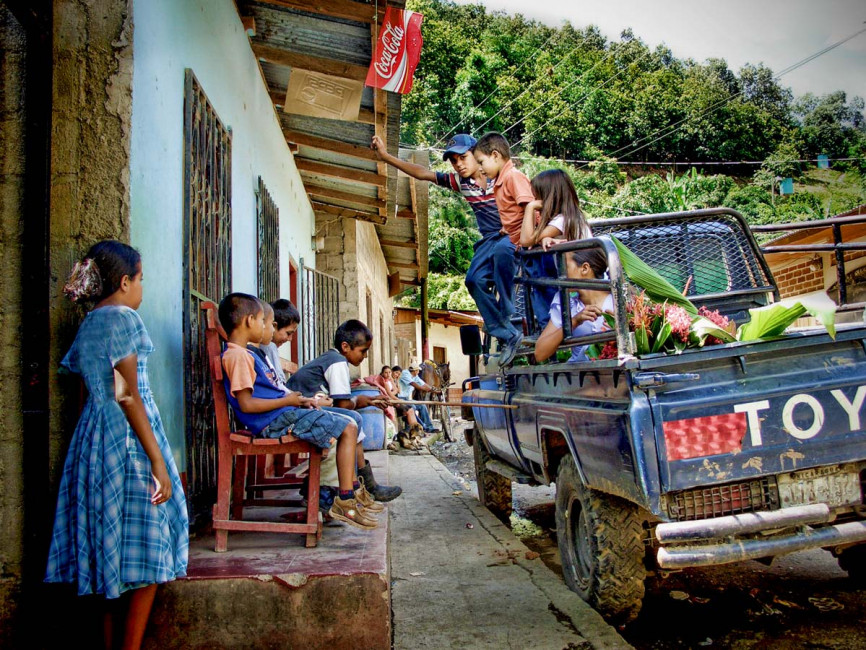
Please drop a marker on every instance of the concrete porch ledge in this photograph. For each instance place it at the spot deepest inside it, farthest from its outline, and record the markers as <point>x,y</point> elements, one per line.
<point>269,591</point>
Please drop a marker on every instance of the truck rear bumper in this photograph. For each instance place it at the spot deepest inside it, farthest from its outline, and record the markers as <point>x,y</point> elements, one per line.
<point>713,541</point>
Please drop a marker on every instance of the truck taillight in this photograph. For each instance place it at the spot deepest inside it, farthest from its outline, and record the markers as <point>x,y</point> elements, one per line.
<point>706,436</point>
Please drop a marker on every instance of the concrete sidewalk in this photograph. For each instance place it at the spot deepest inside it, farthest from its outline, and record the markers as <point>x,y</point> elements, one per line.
<point>460,579</point>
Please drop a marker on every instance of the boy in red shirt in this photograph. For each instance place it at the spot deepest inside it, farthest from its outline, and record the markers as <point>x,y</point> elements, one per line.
<point>513,192</point>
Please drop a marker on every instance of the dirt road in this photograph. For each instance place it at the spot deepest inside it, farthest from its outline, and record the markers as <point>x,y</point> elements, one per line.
<point>804,600</point>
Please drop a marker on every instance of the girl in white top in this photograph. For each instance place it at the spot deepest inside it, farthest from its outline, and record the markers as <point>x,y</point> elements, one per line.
<point>559,219</point>
<point>587,306</point>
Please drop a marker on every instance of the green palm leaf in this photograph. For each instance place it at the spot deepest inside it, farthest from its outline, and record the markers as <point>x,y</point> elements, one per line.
<point>772,321</point>
<point>644,276</point>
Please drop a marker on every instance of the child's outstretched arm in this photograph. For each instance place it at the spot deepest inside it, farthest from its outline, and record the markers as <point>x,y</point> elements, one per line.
<point>415,171</point>
<point>127,396</point>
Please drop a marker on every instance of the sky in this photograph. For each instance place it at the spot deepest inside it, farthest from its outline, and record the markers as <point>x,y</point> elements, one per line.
<point>777,33</point>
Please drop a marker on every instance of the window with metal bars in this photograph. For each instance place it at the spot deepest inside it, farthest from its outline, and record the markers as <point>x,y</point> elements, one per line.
<point>268,244</point>
<point>320,312</point>
<point>207,263</point>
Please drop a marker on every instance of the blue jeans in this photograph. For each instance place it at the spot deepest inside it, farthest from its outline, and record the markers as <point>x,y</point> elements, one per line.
<point>490,280</point>
<point>541,266</point>
<point>423,415</point>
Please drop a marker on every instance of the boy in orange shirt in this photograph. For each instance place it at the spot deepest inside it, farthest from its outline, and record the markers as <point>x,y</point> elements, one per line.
<point>269,412</point>
<point>513,192</point>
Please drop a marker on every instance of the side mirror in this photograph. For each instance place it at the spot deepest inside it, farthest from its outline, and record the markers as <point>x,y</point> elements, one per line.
<point>470,340</point>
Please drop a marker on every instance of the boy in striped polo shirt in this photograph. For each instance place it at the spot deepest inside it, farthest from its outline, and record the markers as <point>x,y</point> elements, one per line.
<point>493,260</point>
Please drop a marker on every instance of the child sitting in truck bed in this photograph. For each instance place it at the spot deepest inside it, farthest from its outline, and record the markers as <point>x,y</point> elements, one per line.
<point>587,306</point>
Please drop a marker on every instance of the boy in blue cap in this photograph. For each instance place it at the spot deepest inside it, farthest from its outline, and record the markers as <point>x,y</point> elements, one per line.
<point>493,259</point>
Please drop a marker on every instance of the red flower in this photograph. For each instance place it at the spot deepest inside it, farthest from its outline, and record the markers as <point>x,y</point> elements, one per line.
<point>680,322</point>
<point>714,316</point>
<point>609,351</point>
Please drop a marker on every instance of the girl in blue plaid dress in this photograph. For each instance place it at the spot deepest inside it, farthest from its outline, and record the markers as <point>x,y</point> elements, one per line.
<point>121,521</point>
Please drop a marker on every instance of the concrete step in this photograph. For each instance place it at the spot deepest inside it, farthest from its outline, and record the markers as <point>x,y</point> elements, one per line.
<point>269,591</point>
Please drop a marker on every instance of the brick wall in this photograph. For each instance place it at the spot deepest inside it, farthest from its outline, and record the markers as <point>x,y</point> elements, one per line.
<point>799,279</point>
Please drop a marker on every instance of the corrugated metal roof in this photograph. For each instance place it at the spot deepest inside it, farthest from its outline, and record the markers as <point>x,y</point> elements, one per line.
<point>339,170</point>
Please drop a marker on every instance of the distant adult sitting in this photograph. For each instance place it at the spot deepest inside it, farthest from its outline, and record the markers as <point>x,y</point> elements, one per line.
<point>587,306</point>
<point>406,380</point>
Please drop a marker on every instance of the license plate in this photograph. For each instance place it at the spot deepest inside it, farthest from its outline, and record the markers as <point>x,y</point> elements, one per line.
<point>835,486</point>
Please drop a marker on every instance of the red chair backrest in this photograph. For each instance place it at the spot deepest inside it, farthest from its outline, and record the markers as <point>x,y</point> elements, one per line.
<point>213,345</point>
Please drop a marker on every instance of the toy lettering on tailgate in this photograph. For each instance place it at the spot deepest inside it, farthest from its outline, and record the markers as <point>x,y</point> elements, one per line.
<point>802,416</point>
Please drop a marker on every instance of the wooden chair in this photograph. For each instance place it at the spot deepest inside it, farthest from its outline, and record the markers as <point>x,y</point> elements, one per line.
<point>239,450</point>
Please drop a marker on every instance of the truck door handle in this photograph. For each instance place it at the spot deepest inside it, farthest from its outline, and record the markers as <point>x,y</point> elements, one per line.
<point>654,379</point>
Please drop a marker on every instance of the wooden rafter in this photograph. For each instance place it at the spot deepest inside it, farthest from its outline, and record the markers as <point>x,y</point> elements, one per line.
<point>344,173</point>
<point>336,146</point>
<point>328,193</point>
<point>412,266</point>
<point>411,282</point>
<point>406,214</point>
<point>398,244</point>
<point>349,213</point>
<point>346,9</point>
<point>279,56</point>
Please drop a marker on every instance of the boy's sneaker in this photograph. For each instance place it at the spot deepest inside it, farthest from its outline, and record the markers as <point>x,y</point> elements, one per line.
<point>366,499</point>
<point>347,511</point>
<point>508,350</point>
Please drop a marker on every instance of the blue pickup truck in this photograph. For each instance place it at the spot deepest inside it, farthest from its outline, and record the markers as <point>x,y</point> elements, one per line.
<point>723,453</point>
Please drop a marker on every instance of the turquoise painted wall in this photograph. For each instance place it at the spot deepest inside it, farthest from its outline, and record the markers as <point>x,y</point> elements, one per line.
<point>206,36</point>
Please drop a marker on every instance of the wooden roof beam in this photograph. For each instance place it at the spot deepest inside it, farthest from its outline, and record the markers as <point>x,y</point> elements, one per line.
<point>326,144</point>
<point>344,173</point>
<point>348,213</point>
<point>411,282</point>
<point>347,9</point>
<point>412,266</point>
<point>398,244</point>
<point>279,56</point>
<point>406,214</point>
<point>348,197</point>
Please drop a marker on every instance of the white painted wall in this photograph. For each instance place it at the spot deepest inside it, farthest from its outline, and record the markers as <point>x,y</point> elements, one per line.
<point>449,338</point>
<point>206,36</point>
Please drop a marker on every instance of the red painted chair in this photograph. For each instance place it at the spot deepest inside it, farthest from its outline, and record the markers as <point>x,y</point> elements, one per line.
<point>238,450</point>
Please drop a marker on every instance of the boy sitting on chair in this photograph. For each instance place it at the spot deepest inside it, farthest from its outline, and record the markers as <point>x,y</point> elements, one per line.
<point>268,412</point>
<point>329,374</point>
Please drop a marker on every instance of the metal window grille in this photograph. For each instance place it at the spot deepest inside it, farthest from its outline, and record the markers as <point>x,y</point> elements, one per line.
<point>708,254</point>
<point>320,315</point>
<point>207,262</point>
<point>268,240</point>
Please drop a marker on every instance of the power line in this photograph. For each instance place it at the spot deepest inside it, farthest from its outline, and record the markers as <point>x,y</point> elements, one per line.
<point>676,127</point>
<point>563,60</point>
<point>563,89</point>
<point>499,86</point>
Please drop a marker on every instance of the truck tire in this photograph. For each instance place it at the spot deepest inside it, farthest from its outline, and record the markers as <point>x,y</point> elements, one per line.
<point>494,490</point>
<point>601,543</point>
<point>853,560</point>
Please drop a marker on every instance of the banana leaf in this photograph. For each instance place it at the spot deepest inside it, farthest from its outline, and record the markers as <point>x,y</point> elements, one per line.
<point>772,321</point>
<point>641,274</point>
<point>703,327</point>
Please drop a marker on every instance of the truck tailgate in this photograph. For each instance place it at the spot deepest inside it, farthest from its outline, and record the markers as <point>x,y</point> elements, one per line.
<point>761,409</point>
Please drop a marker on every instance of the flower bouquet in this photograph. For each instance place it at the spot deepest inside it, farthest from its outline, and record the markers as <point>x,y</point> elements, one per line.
<point>664,320</point>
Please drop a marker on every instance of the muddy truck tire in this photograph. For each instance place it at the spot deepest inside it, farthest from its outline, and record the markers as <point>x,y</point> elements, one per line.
<point>601,543</point>
<point>853,560</point>
<point>494,490</point>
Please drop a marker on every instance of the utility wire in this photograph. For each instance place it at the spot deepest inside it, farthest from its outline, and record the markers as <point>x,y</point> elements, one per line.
<point>676,127</point>
<point>528,88</point>
<point>563,89</point>
<point>499,86</point>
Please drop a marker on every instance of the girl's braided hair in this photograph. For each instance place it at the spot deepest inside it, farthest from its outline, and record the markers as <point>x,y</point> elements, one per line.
<point>99,274</point>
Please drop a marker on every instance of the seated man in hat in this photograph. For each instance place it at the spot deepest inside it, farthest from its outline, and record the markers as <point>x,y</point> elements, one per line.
<point>406,379</point>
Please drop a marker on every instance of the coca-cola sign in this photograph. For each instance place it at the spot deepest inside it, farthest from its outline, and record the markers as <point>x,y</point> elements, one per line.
<point>398,50</point>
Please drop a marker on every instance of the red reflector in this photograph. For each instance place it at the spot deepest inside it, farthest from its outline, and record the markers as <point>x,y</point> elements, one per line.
<point>707,436</point>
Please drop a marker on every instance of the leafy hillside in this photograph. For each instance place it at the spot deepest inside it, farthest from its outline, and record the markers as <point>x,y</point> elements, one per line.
<point>565,94</point>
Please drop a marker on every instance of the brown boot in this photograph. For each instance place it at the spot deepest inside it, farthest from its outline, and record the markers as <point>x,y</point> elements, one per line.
<point>348,511</point>
<point>366,499</point>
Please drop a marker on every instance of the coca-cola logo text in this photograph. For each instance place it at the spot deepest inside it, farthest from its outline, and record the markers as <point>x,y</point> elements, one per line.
<point>392,39</point>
